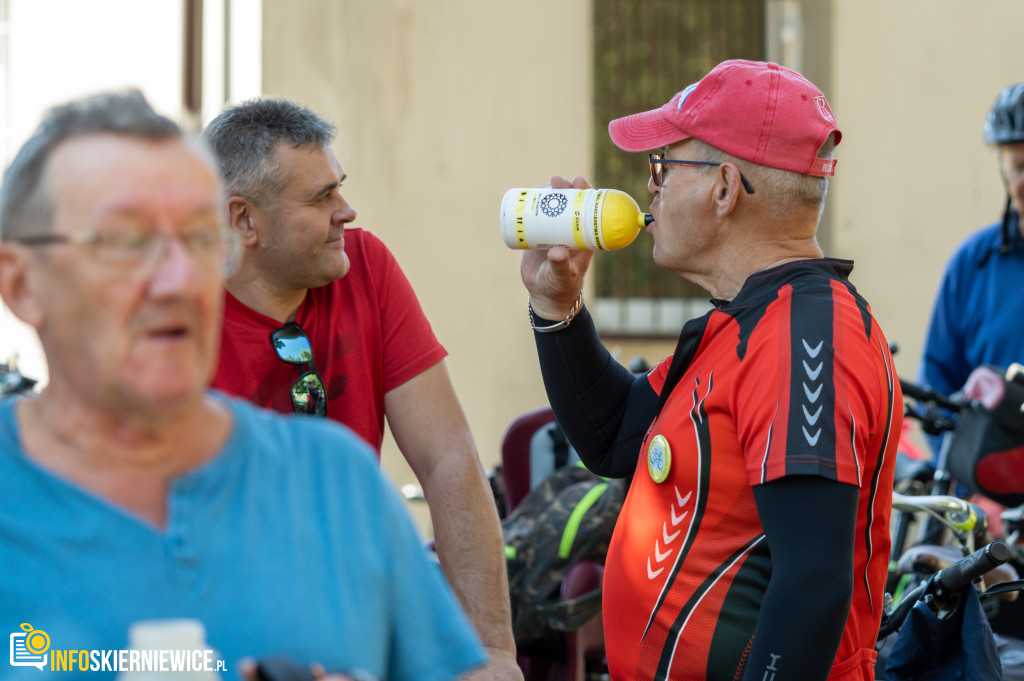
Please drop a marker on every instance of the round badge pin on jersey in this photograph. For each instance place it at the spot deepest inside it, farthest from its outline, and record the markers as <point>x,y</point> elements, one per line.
<point>659,458</point>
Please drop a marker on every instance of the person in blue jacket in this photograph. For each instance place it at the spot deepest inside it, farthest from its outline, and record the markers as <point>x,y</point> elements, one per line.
<point>980,303</point>
<point>979,308</point>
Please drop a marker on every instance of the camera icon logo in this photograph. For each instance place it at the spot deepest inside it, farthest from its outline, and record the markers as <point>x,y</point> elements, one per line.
<point>29,647</point>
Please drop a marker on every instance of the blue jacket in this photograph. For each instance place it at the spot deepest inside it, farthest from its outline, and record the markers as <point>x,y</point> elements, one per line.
<point>978,316</point>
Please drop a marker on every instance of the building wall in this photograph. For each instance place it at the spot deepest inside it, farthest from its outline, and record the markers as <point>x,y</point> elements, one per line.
<point>441,107</point>
<point>913,81</point>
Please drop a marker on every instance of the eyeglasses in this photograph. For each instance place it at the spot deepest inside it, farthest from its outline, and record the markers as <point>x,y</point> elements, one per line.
<point>141,248</point>
<point>292,346</point>
<point>658,163</point>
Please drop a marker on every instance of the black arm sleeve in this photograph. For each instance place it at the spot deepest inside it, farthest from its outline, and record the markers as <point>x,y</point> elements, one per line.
<point>603,408</point>
<point>809,524</point>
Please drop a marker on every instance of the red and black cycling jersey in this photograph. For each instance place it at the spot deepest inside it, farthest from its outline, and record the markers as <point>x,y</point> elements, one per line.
<point>791,378</point>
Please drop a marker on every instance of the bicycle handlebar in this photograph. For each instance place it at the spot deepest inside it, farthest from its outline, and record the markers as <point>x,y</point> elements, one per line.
<point>959,513</point>
<point>930,502</point>
<point>951,579</point>
<point>922,394</point>
<point>948,582</point>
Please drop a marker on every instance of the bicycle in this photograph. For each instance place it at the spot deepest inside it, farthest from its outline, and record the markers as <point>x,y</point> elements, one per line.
<point>964,521</point>
<point>949,527</point>
<point>941,627</point>
<point>986,403</point>
<point>917,476</point>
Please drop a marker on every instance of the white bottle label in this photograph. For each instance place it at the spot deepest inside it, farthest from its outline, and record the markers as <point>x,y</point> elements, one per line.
<point>546,217</point>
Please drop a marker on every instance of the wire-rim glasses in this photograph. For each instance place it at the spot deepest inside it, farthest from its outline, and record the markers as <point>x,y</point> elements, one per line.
<point>658,163</point>
<point>307,392</point>
<point>139,249</point>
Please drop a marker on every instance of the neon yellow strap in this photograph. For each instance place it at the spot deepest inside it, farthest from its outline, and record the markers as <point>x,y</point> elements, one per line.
<point>576,517</point>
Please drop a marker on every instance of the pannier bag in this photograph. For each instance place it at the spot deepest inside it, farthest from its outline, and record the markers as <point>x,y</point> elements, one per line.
<point>986,454</point>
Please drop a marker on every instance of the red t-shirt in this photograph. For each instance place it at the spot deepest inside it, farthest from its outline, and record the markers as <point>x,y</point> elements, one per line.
<point>368,332</point>
<point>796,381</point>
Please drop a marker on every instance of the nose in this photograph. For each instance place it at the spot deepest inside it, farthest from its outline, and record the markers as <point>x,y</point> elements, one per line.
<point>345,213</point>
<point>651,187</point>
<point>174,270</point>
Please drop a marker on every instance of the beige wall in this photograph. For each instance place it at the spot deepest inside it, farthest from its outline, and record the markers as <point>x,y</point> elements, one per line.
<point>912,82</point>
<point>441,106</point>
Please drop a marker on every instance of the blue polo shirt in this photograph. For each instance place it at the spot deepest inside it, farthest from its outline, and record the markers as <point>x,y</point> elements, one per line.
<point>290,542</point>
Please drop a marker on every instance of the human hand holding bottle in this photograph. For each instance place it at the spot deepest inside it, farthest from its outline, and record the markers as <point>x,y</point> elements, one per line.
<point>554,277</point>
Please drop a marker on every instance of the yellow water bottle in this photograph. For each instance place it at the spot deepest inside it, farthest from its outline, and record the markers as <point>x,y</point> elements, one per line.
<point>580,219</point>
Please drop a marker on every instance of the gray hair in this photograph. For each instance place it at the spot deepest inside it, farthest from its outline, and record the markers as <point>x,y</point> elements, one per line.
<point>244,137</point>
<point>26,201</point>
<point>781,190</point>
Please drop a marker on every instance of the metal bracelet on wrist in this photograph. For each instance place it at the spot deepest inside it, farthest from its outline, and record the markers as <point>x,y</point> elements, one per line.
<point>557,326</point>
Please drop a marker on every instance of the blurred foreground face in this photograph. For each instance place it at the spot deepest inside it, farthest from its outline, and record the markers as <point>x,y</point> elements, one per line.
<point>131,320</point>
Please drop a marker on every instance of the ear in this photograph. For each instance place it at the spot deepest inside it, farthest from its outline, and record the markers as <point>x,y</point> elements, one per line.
<point>240,219</point>
<point>727,189</point>
<point>19,283</point>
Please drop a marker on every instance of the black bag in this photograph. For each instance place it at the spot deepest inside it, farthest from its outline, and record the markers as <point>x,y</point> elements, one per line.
<point>986,454</point>
<point>568,518</point>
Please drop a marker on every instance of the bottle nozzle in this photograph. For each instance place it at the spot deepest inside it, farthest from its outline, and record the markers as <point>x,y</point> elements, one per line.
<point>645,219</point>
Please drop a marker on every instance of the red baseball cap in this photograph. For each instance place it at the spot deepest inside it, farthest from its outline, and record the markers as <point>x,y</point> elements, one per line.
<point>757,111</point>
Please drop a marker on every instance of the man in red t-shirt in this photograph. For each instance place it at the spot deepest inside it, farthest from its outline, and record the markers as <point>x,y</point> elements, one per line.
<point>320,319</point>
<point>754,542</point>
